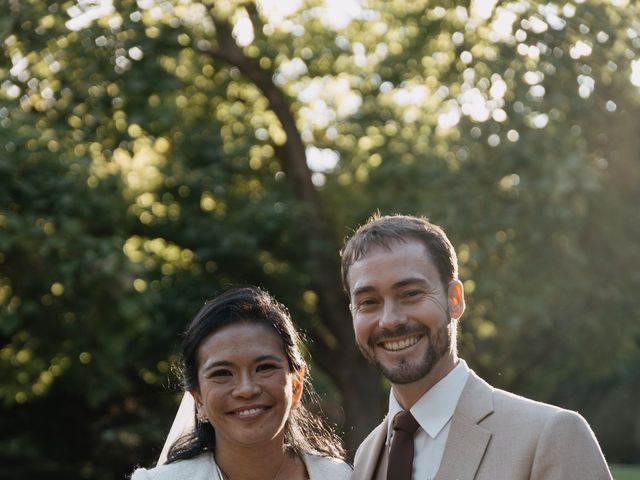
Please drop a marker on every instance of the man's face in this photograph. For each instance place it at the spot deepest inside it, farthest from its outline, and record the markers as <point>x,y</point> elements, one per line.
<point>401,312</point>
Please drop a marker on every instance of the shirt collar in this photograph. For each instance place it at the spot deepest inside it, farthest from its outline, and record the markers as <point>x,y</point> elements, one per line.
<point>436,407</point>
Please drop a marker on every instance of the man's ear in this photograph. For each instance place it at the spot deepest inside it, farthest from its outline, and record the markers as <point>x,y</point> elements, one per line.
<point>456,299</point>
<point>297,386</point>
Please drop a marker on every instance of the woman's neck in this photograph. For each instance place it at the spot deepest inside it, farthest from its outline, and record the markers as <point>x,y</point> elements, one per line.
<point>267,462</point>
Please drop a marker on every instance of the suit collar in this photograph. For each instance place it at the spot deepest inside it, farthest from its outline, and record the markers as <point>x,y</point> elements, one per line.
<point>434,409</point>
<point>476,401</point>
<point>467,440</point>
<point>466,443</point>
<point>369,453</point>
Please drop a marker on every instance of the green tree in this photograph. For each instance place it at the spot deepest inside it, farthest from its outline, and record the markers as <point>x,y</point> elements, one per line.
<point>153,153</point>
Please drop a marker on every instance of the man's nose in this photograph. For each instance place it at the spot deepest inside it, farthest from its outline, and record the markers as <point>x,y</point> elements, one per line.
<point>392,315</point>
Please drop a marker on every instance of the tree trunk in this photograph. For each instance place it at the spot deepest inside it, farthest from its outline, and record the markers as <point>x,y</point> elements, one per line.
<point>358,382</point>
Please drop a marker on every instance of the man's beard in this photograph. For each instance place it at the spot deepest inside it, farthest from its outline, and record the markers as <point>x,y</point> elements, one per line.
<point>404,372</point>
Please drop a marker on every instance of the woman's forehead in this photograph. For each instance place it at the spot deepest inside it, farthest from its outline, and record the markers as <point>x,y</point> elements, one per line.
<point>242,341</point>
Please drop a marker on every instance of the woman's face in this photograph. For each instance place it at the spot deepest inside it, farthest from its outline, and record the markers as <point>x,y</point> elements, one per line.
<point>246,389</point>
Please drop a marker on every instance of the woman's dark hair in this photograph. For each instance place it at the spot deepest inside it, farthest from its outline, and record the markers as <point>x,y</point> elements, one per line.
<point>304,432</point>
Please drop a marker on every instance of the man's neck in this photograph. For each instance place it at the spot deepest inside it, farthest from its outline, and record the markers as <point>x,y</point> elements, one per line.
<point>409,393</point>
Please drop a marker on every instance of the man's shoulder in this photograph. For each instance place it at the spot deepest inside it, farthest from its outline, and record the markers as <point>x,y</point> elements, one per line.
<point>510,400</point>
<point>508,405</point>
<point>371,439</point>
<point>541,437</point>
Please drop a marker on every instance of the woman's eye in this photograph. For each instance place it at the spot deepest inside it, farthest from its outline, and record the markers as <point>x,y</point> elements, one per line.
<point>219,374</point>
<point>265,367</point>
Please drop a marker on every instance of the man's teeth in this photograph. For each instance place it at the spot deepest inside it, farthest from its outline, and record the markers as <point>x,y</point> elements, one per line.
<point>400,344</point>
<point>251,411</point>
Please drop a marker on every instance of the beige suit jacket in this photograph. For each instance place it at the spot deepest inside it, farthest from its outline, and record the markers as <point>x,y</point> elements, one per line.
<point>496,435</point>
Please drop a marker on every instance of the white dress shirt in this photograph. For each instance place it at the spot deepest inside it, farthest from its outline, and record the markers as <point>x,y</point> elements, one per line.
<point>433,411</point>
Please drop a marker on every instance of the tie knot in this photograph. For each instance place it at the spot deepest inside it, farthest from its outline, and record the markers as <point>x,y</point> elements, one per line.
<point>406,422</point>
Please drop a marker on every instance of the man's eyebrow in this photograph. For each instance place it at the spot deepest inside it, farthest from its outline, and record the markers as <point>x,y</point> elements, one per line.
<point>400,284</point>
<point>410,281</point>
<point>364,289</point>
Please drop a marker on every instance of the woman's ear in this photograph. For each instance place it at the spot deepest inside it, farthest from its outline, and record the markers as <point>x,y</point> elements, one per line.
<point>197,398</point>
<point>297,386</point>
<point>199,405</point>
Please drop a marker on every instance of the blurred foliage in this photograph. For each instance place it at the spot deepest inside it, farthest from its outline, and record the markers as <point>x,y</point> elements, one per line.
<point>624,472</point>
<point>143,169</point>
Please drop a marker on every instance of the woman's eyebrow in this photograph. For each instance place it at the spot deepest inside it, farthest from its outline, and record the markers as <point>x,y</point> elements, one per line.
<point>262,358</point>
<point>225,363</point>
<point>208,365</point>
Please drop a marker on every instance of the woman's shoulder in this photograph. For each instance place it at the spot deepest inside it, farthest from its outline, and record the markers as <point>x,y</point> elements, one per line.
<point>326,468</point>
<point>196,468</point>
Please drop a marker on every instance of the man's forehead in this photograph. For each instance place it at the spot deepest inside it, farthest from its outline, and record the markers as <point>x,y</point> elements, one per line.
<point>409,281</point>
<point>411,255</point>
<point>391,246</point>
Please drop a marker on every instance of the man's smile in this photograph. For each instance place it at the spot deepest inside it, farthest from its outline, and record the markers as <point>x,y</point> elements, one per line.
<point>396,345</point>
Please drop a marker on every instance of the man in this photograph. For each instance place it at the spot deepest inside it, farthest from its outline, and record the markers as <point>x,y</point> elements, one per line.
<point>401,275</point>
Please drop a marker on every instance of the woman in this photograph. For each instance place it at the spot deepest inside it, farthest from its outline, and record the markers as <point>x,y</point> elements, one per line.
<point>244,369</point>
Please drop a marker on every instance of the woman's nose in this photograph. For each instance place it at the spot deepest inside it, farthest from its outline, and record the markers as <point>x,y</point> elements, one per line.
<point>246,387</point>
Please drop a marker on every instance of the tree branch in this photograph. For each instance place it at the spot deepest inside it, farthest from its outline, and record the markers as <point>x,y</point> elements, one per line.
<point>292,155</point>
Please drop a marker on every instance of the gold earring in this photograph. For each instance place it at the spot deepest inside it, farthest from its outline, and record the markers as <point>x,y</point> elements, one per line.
<point>202,418</point>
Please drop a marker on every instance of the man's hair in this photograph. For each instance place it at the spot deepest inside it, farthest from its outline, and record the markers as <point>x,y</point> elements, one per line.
<point>384,231</point>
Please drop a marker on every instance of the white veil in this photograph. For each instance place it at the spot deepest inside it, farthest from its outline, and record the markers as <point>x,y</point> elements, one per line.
<point>184,422</point>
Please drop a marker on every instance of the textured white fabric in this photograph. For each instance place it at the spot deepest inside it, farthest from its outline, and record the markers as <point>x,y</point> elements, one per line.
<point>184,422</point>
<point>203,467</point>
<point>326,468</point>
<point>433,411</point>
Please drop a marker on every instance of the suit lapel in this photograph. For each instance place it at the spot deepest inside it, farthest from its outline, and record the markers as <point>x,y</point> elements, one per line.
<point>369,453</point>
<point>467,441</point>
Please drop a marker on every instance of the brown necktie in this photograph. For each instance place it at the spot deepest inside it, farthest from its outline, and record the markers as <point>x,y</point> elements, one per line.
<point>401,454</point>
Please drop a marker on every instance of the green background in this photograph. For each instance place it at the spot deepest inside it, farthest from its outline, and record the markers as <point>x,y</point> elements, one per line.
<point>153,153</point>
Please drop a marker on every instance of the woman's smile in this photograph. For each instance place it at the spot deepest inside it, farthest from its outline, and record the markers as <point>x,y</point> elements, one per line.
<point>246,387</point>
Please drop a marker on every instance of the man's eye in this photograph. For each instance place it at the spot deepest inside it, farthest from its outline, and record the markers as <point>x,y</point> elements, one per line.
<point>367,302</point>
<point>413,294</point>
